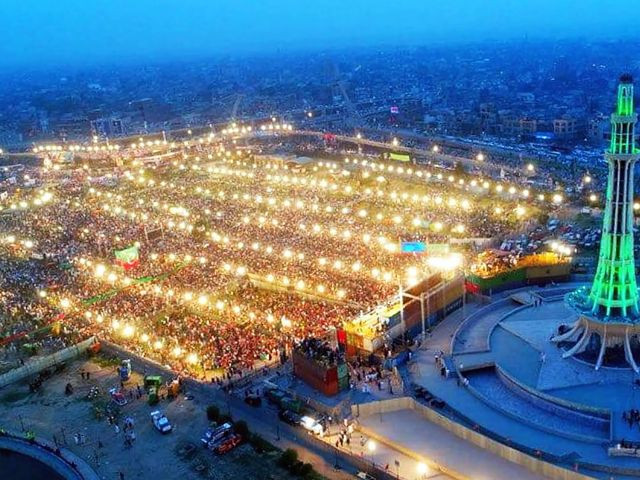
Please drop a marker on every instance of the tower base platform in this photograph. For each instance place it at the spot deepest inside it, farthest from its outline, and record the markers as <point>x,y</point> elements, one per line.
<point>600,342</point>
<point>519,382</point>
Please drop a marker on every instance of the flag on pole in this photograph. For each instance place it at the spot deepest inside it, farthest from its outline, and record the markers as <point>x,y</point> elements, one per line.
<point>127,258</point>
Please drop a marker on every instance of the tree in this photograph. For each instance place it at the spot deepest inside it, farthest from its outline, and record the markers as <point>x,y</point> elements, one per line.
<point>288,458</point>
<point>241,428</point>
<point>213,413</point>
<point>304,469</point>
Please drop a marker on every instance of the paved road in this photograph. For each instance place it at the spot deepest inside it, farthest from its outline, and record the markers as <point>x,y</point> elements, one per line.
<point>264,421</point>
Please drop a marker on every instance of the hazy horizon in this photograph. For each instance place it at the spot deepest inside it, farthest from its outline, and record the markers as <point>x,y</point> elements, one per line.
<point>43,33</point>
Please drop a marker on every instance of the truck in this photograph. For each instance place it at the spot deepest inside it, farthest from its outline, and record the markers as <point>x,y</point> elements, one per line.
<point>152,395</point>
<point>152,381</point>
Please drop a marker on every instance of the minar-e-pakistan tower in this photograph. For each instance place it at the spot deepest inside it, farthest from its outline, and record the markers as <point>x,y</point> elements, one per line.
<point>608,310</point>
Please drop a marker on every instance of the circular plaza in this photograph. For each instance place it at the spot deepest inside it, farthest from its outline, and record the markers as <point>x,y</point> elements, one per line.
<point>513,383</point>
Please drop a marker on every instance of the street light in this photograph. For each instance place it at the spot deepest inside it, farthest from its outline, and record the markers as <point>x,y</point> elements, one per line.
<point>371,446</point>
<point>422,469</point>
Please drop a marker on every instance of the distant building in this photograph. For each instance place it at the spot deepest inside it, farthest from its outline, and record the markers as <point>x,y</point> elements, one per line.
<point>565,127</point>
<point>512,125</point>
<point>147,111</point>
<point>526,97</point>
<point>108,127</point>
<point>598,128</point>
<point>73,127</point>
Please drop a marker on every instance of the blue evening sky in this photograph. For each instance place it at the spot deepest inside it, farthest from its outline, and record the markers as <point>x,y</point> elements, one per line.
<point>42,32</point>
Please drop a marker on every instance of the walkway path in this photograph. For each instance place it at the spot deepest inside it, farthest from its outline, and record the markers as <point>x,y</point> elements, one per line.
<point>412,431</point>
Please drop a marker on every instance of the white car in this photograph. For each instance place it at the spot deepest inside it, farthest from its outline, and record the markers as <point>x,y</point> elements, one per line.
<point>311,424</point>
<point>364,476</point>
<point>161,422</point>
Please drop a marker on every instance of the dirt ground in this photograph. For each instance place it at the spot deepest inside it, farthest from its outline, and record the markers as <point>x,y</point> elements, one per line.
<point>52,415</point>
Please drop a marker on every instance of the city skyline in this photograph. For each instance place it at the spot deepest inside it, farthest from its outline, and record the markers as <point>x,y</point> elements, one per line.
<point>68,32</point>
<point>284,240</point>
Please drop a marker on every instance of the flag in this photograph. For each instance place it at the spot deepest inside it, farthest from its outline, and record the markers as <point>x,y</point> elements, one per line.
<point>128,258</point>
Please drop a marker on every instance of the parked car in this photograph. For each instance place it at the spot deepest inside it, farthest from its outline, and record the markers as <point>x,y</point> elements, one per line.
<point>228,444</point>
<point>364,476</point>
<point>253,400</point>
<point>311,424</point>
<point>275,396</point>
<point>117,397</point>
<point>289,417</point>
<point>161,422</point>
<point>214,434</point>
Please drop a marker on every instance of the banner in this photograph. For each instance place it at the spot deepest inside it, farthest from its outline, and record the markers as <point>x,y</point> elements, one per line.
<point>128,258</point>
<point>401,157</point>
<point>438,248</point>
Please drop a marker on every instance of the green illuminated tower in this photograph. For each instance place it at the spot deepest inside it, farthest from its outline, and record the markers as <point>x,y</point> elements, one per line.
<point>614,292</point>
<point>609,309</point>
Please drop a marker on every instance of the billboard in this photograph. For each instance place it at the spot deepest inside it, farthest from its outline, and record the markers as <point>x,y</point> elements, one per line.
<point>413,247</point>
<point>401,157</point>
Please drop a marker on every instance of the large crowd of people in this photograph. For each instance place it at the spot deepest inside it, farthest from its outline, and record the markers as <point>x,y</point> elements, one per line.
<point>251,256</point>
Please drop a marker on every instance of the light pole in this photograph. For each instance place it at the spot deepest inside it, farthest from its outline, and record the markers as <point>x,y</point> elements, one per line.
<point>422,469</point>
<point>371,446</point>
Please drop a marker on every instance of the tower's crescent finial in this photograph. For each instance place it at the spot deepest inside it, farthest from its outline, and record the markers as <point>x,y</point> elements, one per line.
<point>626,78</point>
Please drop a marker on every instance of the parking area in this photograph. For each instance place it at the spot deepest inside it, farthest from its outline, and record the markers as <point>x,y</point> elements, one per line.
<point>75,418</point>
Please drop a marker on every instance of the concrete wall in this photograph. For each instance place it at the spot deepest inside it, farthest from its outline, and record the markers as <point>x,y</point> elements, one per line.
<point>36,365</point>
<point>533,464</point>
<point>472,318</point>
<point>67,464</point>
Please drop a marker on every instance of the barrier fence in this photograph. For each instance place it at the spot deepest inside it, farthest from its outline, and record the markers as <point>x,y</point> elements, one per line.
<point>36,365</point>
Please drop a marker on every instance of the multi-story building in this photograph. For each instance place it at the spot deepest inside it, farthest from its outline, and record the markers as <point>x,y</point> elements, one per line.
<point>598,128</point>
<point>565,127</point>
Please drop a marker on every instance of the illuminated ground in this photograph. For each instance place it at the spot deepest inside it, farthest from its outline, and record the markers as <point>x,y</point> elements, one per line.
<point>522,390</point>
<point>251,253</point>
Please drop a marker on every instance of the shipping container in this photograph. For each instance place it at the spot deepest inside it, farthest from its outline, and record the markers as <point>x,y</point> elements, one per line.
<point>331,374</point>
<point>316,375</point>
<point>343,384</point>
<point>553,271</point>
<point>503,281</point>
<point>434,303</point>
<point>518,277</point>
